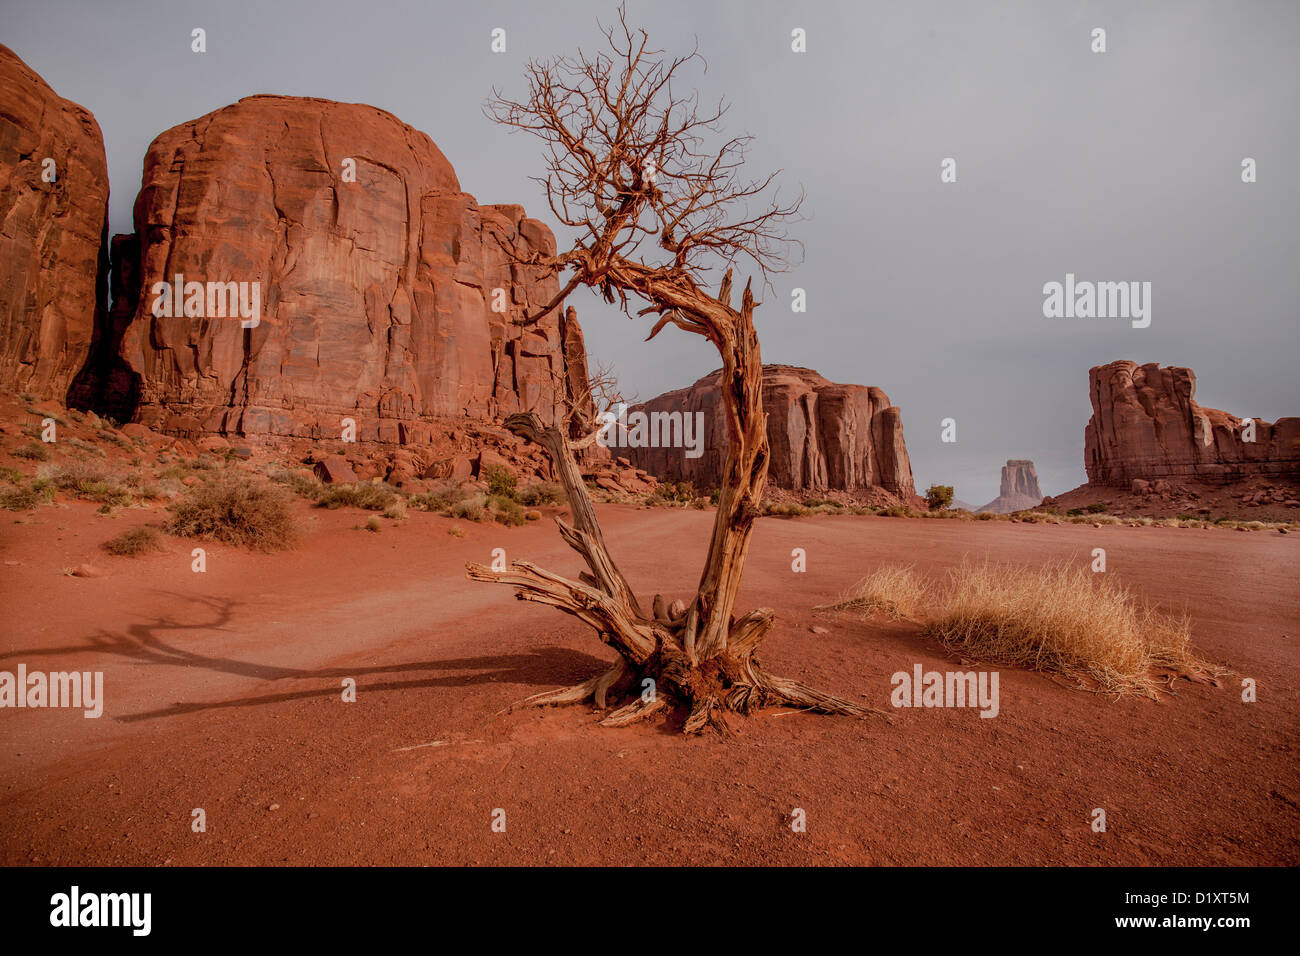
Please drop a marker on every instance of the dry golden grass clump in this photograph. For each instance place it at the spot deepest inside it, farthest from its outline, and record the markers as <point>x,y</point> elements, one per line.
<point>1060,619</point>
<point>896,592</point>
<point>1066,620</point>
<point>236,508</point>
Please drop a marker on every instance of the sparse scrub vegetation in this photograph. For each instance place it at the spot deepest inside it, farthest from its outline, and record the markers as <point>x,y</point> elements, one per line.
<point>233,507</point>
<point>367,495</point>
<point>91,482</point>
<point>506,511</point>
<point>134,542</point>
<point>27,497</point>
<point>542,493</point>
<point>32,452</point>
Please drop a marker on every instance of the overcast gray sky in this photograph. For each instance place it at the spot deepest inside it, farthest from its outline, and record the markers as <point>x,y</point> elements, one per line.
<point>1116,166</point>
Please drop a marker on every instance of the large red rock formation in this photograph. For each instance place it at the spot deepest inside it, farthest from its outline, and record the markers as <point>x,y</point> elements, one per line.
<point>52,234</point>
<point>1019,488</point>
<point>1145,425</point>
<point>822,435</point>
<point>377,295</point>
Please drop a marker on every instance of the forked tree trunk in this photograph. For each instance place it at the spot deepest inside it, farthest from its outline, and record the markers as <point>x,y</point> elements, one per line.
<point>699,656</point>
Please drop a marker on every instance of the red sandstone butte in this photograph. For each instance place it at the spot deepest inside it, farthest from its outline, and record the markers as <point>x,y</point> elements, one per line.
<point>53,263</point>
<point>1019,488</point>
<point>1145,424</point>
<point>822,435</point>
<point>377,294</point>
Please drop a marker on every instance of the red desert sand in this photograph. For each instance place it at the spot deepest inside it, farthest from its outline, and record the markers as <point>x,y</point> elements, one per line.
<point>225,692</point>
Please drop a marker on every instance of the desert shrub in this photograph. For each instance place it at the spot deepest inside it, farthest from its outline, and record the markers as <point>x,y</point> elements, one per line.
<point>506,511</point>
<point>822,503</point>
<point>938,497</point>
<point>676,492</point>
<point>235,508</point>
<point>1096,508</point>
<point>786,509</point>
<point>473,508</point>
<point>86,446</point>
<point>500,482</point>
<point>374,524</point>
<point>27,497</point>
<point>92,482</point>
<point>986,516</point>
<point>135,542</point>
<point>1074,512</point>
<point>11,475</point>
<point>899,511</point>
<point>897,592</point>
<point>298,480</point>
<point>32,452</point>
<point>441,499</point>
<point>397,510</point>
<point>542,493</point>
<point>363,494</point>
<point>456,532</point>
<point>1037,517</point>
<point>1065,620</point>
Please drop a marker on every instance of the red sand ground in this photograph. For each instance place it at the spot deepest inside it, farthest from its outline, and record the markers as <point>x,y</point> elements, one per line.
<point>224,693</point>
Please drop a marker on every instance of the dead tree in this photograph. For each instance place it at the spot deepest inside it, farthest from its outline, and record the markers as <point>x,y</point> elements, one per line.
<point>631,169</point>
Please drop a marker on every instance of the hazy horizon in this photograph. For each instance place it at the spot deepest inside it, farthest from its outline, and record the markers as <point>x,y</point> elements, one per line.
<point>1115,166</point>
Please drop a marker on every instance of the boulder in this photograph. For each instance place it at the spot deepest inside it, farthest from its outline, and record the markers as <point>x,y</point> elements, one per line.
<point>334,469</point>
<point>53,241</point>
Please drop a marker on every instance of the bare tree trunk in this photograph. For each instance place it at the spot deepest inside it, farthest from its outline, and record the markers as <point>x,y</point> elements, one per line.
<point>699,656</point>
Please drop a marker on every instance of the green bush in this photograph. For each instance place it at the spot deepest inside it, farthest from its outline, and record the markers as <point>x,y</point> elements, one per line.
<point>938,497</point>
<point>500,482</point>
<point>1096,508</point>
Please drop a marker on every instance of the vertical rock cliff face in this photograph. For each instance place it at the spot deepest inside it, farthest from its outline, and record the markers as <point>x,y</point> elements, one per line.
<point>822,435</point>
<point>53,262</point>
<point>1146,424</point>
<point>386,293</point>
<point>1019,489</point>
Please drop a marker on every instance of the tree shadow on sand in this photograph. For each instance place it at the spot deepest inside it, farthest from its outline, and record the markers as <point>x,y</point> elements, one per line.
<point>142,643</point>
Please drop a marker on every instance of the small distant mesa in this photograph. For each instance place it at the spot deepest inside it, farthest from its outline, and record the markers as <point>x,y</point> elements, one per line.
<point>1019,489</point>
